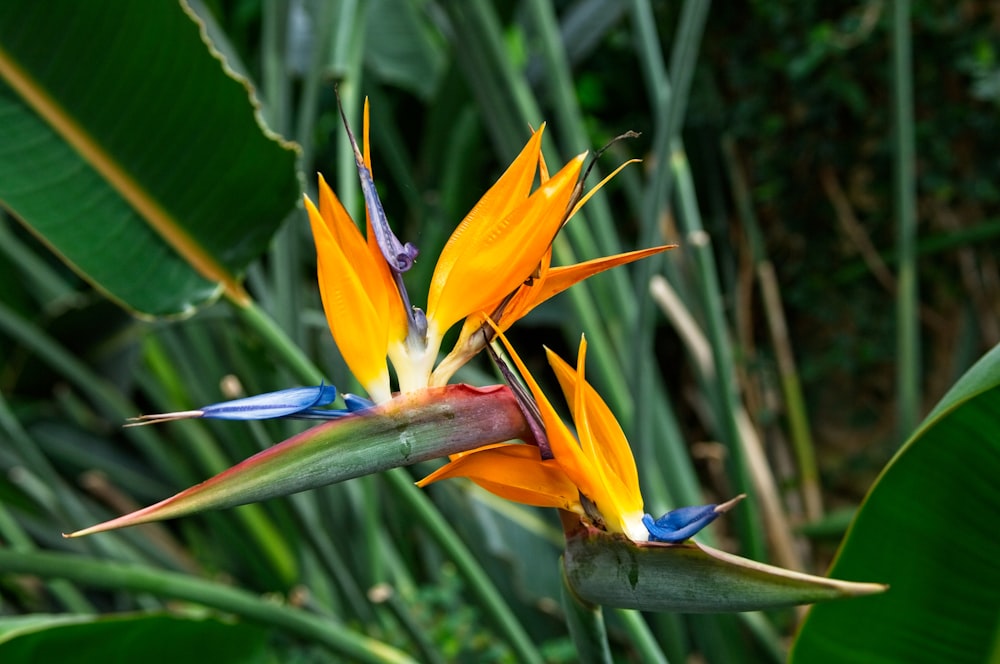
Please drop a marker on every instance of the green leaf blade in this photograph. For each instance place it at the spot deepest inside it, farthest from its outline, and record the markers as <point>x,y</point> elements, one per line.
<point>135,182</point>
<point>927,529</point>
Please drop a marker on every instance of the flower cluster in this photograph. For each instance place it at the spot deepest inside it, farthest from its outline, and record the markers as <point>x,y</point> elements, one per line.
<point>494,269</point>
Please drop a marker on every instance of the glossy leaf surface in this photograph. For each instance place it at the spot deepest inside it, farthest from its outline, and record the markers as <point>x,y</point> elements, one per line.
<point>927,528</point>
<point>130,149</point>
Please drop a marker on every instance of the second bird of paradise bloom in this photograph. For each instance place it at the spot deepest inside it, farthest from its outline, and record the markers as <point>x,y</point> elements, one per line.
<point>592,474</point>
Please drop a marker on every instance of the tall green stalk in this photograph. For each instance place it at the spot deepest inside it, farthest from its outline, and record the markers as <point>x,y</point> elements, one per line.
<point>908,374</point>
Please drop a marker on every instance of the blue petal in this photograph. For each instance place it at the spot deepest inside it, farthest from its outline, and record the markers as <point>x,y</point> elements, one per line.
<point>680,524</point>
<point>272,404</point>
<point>355,403</point>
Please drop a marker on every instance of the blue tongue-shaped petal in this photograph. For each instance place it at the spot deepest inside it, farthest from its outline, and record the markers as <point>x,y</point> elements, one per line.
<point>684,522</point>
<point>272,404</point>
<point>293,402</point>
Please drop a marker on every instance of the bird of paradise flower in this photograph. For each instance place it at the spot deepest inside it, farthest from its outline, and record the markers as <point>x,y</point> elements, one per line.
<point>497,262</point>
<point>494,269</point>
<point>592,474</point>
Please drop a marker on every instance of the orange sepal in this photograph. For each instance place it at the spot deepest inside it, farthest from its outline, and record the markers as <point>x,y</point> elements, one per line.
<point>577,466</point>
<point>514,472</point>
<point>555,280</point>
<point>505,252</point>
<point>601,438</point>
<point>355,309</point>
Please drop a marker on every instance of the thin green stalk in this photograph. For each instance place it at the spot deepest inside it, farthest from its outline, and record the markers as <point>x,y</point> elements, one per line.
<point>726,395</point>
<point>641,637</point>
<point>669,95</point>
<point>106,397</point>
<point>274,80</point>
<point>140,579</point>
<point>907,314</point>
<point>15,539</point>
<point>323,20</point>
<point>586,624</point>
<point>558,84</point>
<point>795,408</point>
<point>285,253</point>
<point>479,583</point>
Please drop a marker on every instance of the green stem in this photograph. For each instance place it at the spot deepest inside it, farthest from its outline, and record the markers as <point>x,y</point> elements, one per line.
<point>907,321</point>
<point>726,397</point>
<point>17,540</point>
<point>669,96</point>
<point>117,576</point>
<point>465,562</point>
<point>791,388</point>
<point>586,624</point>
<point>641,638</point>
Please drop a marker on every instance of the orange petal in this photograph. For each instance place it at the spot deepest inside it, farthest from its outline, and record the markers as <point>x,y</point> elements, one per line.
<point>507,193</point>
<point>577,466</point>
<point>515,472</point>
<point>556,280</point>
<point>355,309</point>
<point>601,435</point>
<point>505,252</point>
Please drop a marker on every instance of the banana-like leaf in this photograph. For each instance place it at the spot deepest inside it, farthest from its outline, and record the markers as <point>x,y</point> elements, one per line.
<point>413,427</point>
<point>131,150</point>
<point>687,578</point>
<point>928,529</point>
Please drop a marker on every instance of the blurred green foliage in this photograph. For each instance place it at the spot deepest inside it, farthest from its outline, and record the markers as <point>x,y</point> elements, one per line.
<point>804,93</point>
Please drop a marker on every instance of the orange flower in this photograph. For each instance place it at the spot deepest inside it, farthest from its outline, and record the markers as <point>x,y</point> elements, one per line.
<point>594,476</point>
<point>497,262</point>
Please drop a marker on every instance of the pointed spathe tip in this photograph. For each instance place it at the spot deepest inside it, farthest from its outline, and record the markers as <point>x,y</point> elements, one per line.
<point>722,508</point>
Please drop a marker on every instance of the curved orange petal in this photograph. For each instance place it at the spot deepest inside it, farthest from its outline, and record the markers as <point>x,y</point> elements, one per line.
<point>355,309</point>
<point>557,279</point>
<point>611,448</point>
<point>577,466</point>
<point>505,252</point>
<point>506,193</point>
<point>515,472</point>
<point>619,503</point>
<point>499,201</point>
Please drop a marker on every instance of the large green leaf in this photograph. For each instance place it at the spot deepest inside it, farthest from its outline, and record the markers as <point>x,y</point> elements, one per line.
<point>131,150</point>
<point>928,529</point>
<point>148,638</point>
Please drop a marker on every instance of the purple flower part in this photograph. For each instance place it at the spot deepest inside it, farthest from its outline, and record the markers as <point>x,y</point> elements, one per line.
<point>680,524</point>
<point>398,256</point>
<point>355,403</point>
